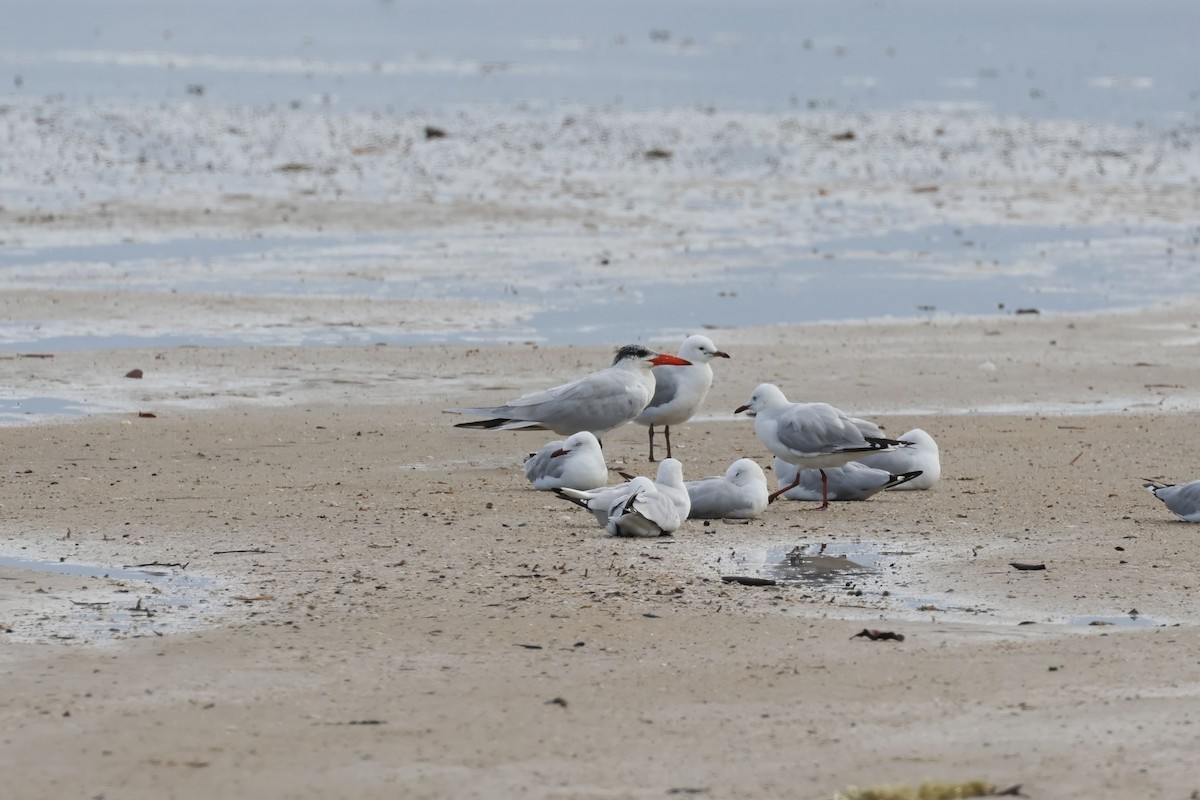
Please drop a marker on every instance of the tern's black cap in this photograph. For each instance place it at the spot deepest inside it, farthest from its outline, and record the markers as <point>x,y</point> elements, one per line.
<point>633,351</point>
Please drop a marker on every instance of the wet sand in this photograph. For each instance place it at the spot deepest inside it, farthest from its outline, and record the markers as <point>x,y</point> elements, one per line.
<point>406,617</point>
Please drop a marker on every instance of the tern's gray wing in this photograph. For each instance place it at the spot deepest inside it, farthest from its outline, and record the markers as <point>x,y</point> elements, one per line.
<point>596,402</point>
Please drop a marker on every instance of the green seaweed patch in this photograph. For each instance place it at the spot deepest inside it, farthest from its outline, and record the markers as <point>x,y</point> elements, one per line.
<point>930,790</point>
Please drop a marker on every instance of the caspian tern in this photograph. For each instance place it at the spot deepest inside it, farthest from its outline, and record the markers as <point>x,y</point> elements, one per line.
<point>741,493</point>
<point>921,454</point>
<point>851,481</point>
<point>1181,499</point>
<point>636,508</point>
<point>679,391</point>
<point>576,462</point>
<point>812,435</point>
<point>597,402</point>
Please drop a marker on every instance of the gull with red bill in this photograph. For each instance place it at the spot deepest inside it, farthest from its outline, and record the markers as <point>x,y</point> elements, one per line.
<point>812,435</point>
<point>576,462</point>
<point>852,481</point>
<point>596,402</point>
<point>679,391</point>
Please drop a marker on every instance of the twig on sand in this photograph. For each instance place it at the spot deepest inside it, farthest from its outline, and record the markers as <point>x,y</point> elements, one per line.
<point>149,612</point>
<point>876,636</point>
<point>749,580</point>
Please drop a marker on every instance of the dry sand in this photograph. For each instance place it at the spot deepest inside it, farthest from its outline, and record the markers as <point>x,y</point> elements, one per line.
<point>409,619</point>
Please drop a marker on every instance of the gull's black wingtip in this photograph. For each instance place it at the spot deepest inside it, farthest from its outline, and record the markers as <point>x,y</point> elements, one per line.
<point>482,424</point>
<point>568,498</point>
<point>904,477</point>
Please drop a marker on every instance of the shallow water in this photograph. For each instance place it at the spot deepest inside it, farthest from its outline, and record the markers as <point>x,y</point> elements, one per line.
<point>112,603</point>
<point>18,409</point>
<point>1099,59</point>
<point>872,578</point>
<point>935,270</point>
<point>764,106</point>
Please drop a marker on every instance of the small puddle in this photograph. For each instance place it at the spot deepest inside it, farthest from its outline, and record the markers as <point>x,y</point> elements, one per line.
<point>871,575</point>
<point>14,410</point>
<point>60,601</point>
<point>1119,620</point>
<point>816,565</point>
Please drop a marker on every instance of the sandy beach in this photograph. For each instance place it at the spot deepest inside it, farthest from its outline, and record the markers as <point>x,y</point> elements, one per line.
<point>249,254</point>
<point>378,605</point>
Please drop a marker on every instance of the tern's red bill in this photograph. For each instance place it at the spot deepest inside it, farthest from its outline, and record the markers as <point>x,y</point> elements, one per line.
<point>663,360</point>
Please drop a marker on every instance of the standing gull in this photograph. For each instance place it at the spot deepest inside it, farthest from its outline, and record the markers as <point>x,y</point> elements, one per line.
<point>576,462</point>
<point>812,435</point>
<point>597,402</point>
<point>851,481</point>
<point>679,391</point>
<point>741,493</point>
<point>1181,499</point>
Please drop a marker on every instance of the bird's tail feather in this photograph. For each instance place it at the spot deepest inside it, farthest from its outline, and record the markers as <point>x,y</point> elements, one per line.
<point>572,495</point>
<point>903,477</point>
<point>501,424</point>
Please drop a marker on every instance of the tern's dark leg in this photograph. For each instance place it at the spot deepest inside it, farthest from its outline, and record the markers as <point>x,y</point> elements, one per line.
<point>667,435</point>
<point>651,444</point>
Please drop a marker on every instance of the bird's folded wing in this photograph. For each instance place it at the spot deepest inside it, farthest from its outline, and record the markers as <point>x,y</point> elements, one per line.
<point>811,430</point>
<point>581,390</point>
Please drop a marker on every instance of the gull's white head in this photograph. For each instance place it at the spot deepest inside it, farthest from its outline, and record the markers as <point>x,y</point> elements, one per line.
<point>765,397</point>
<point>670,472</point>
<point>577,442</point>
<point>700,350</point>
<point>920,440</point>
<point>745,472</point>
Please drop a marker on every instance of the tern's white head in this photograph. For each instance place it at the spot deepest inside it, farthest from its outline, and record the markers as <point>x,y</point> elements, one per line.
<point>765,397</point>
